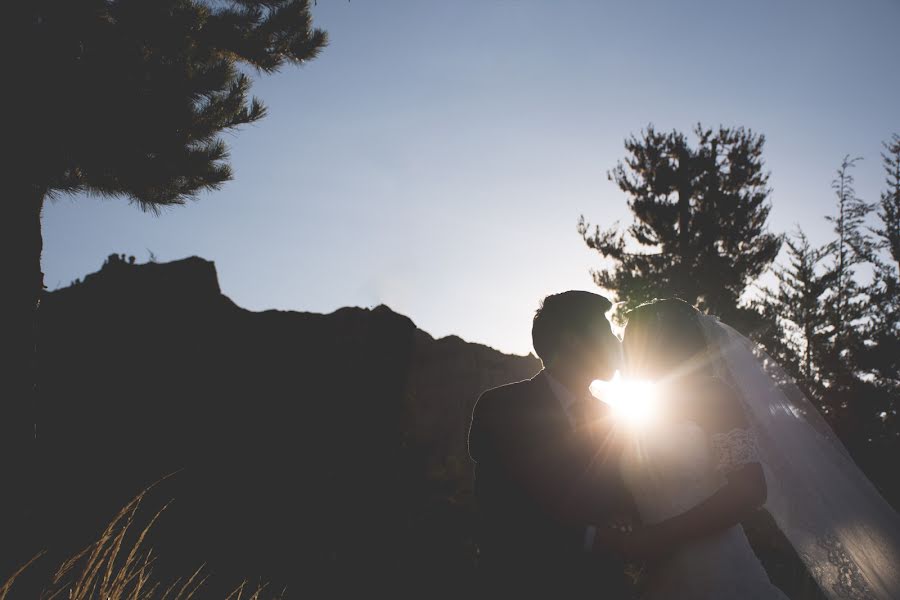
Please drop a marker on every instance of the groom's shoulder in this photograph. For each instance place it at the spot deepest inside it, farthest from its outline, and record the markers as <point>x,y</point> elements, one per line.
<point>510,391</point>
<point>495,411</point>
<point>506,395</point>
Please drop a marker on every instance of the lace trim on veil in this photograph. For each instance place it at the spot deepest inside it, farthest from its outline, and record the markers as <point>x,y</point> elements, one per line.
<point>846,580</point>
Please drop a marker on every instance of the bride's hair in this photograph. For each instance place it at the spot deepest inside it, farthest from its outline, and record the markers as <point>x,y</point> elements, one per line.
<point>664,337</point>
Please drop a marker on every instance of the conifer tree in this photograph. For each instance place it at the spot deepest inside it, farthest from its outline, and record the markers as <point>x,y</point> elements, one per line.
<point>699,230</point>
<point>847,301</point>
<point>882,355</point>
<point>889,205</point>
<point>849,398</point>
<point>122,98</point>
<point>800,336</point>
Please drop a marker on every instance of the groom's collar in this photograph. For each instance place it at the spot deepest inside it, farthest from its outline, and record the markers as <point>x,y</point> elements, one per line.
<point>566,398</point>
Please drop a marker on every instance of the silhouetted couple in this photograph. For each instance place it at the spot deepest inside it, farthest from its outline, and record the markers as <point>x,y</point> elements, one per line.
<point>570,489</point>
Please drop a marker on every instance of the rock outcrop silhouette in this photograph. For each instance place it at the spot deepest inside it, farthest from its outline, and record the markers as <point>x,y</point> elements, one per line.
<point>316,452</point>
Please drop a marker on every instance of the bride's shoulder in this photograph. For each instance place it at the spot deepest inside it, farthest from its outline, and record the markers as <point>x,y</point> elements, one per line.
<point>717,406</point>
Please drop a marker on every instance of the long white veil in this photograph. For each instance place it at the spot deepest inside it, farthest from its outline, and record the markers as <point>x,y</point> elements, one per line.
<point>844,531</point>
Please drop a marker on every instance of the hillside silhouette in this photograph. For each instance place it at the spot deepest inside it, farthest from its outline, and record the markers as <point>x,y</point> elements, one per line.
<point>310,451</point>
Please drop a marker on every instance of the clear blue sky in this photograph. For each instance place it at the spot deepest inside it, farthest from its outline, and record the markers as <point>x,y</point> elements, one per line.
<point>437,156</point>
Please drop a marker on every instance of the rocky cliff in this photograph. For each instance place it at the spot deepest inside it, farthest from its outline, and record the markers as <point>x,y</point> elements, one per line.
<point>305,447</point>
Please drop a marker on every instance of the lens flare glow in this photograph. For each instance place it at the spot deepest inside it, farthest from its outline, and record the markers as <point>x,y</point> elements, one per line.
<point>635,403</point>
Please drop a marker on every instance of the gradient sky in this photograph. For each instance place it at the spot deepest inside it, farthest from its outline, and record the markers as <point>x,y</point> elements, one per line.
<point>437,155</point>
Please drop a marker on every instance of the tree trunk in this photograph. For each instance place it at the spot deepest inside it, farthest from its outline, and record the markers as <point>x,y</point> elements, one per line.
<point>22,279</point>
<point>686,287</point>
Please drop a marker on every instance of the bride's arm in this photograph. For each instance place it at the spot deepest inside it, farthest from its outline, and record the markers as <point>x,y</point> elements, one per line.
<point>736,500</point>
<point>734,450</point>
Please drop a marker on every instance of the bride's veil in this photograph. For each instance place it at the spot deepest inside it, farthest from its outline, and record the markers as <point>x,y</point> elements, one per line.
<point>844,531</point>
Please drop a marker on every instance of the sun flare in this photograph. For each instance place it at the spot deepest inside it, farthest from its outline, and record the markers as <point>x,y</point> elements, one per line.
<point>633,402</point>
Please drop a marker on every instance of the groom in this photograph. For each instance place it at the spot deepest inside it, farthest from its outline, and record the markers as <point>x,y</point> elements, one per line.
<point>546,464</point>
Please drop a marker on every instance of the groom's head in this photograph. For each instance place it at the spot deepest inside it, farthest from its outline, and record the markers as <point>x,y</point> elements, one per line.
<point>571,331</point>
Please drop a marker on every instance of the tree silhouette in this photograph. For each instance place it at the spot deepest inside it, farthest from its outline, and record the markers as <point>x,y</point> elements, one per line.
<point>699,230</point>
<point>889,205</point>
<point>847,302</point>
<point>800,334</point>
<point>838,334</point>
<point>124,98</point>
<point>882,354</point>
<point>853,245</point>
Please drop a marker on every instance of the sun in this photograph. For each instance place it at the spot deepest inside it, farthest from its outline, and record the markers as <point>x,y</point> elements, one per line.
<point>633,402</point>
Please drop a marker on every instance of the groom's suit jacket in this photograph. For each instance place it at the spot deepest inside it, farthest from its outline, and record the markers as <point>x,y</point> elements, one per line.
<point>539,483</point>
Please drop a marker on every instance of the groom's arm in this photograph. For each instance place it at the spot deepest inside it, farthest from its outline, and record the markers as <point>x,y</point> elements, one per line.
<point>604,498</point>
<point>601,495</point>
<point>554,477</point>
<point>504,440</point>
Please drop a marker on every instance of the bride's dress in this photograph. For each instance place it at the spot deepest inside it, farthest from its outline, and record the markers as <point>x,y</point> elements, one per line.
<point>845,533</point>
<point>672,467</point>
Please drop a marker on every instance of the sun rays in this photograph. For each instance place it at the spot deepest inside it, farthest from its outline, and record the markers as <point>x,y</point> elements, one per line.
<point>633,402</point>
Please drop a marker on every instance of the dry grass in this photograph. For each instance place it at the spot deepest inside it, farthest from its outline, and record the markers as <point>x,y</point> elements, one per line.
<point>108,570</point>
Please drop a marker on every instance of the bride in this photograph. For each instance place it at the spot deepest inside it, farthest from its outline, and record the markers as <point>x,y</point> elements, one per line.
<point>731,433</point>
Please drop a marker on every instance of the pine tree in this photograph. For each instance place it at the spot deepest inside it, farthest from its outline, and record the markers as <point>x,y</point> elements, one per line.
<point>882,355</point>
<point>847,301</point>
<point>800,335</point>
<point>124,98</point>
<point>889,205</point>
<point>848,397</point>
<point>854,246</point>
<point>838,337</point>
<point>699,230</point>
